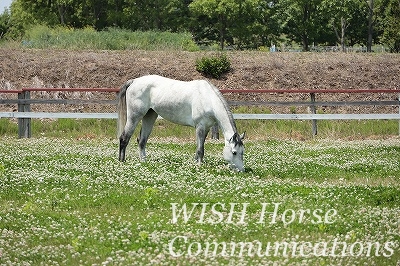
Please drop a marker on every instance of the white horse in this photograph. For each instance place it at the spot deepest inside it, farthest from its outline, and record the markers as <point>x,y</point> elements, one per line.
<point>195,103</point>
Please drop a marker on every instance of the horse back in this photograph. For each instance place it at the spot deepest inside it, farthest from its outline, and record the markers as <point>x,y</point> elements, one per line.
<point>182,102</point>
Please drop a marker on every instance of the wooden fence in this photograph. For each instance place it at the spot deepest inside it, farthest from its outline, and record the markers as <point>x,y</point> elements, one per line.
<point>24,102</point>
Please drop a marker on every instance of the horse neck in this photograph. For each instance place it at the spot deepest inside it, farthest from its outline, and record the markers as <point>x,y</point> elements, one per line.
<point>223,115</point>
<point>226,123</point>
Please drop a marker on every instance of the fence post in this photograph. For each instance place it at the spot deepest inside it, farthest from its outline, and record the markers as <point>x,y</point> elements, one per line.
<point>313,111</point>
<point>24,124</point>
<point>215,132</point>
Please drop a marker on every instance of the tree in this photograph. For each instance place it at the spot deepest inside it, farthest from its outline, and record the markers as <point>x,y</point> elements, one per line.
<point>4,23</point>
<point>221,10</point>
<point>301,20</point>
<point>373,14</point>
<point>342,17</point>
<point>238,22</point>
<point>251,24</point>
<point>358,26</point>
<point>20,20</point>
<point>146,15</point>
<point>371,22</point>
<point>390,25</point>
<point>178,15</point>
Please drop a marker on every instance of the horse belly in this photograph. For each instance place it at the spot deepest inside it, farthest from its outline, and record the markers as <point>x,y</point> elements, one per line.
<point>178,113</point>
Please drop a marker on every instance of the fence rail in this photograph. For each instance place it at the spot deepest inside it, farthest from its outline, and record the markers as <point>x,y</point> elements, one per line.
<point>236,116</point>
<point>57,115</point>
<point>24,101</point>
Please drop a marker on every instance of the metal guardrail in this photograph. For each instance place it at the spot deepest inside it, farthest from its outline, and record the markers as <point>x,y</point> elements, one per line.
<point>24,114</point>
<point>236,116</point>
<point>58,115</point>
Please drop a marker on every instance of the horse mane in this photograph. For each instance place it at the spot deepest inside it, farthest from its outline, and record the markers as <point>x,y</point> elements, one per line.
<point>225,104</point>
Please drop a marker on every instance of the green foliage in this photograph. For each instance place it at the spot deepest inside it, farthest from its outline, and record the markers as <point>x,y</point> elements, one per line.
<point>390,26</point>
<point>238,24</point>
<point>4,23</point>
<point>214,66</point>
<point>301,20</point>
<point>43,37</point>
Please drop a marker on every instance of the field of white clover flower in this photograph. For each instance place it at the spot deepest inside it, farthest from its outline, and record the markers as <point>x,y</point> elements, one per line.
<point>71,202</point>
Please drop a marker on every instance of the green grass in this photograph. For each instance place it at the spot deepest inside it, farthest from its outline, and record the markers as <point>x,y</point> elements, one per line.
<point>43,37</point>
<point>68,201</point>
<point>267,129</point>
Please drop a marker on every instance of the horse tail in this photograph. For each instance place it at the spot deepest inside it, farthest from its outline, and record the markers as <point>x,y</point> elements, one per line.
<point>122,107</point>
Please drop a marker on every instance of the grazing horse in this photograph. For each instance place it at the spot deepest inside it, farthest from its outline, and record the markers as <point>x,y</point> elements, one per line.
<point>195,103</point>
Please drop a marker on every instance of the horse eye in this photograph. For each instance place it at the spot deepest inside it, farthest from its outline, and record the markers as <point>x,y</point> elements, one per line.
<point>234,153</point>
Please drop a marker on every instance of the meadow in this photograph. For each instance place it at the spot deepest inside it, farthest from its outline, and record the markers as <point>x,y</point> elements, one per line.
<point>68,201</point>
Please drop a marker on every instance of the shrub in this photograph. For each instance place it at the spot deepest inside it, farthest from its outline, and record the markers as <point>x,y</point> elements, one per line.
<point>214,66</point>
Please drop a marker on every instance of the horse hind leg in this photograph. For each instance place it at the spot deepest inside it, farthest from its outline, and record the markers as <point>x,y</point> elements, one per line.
<point>129,128</point>
<point>147,126</point>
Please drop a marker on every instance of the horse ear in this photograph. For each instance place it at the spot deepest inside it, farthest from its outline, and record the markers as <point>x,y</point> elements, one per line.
<point>237,138</point>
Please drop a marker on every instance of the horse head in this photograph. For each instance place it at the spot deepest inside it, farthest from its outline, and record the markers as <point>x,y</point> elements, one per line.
<point>233,152</point>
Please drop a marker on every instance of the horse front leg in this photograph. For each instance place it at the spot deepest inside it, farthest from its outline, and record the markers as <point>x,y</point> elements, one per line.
<point>201,134</point>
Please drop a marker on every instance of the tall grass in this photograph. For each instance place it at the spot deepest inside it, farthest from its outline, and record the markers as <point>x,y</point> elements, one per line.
<point>43,37</point>
<point>255,129</point>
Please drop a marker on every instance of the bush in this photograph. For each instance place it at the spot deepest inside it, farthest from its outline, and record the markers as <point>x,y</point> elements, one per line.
<point>214,66</point>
